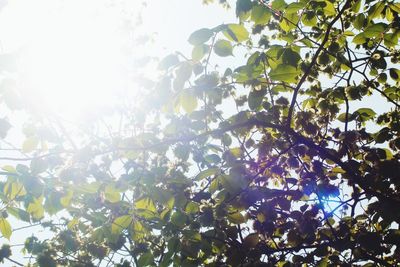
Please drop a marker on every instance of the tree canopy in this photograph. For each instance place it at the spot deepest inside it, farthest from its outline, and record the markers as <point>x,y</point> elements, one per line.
<point>275,143</point>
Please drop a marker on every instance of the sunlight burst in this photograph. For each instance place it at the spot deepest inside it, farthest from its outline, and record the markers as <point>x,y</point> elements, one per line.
<point>75,54</point>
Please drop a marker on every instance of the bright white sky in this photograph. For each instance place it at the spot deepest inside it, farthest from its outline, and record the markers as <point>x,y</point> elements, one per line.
<point>77,54</point>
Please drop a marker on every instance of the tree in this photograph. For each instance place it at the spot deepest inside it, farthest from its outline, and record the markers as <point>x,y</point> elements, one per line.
<point>279,161</point>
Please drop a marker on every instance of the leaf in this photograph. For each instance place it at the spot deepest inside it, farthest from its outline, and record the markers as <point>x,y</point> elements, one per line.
<point>242,7</point>
<point>391,39</point>
<point>338,170</point>
<point>121,223</point>
<point>236,32</point>
<point>14,189</point>
<point>359,21</point>
<point>66,200</point>
<point>251,240</point>
<point>111,194</point>
<point>30,144</point>
<point>179,218</point>
<point>5,228</point>
<point>374,30</point>
<point>192,207</point>
<point>256,98</point>
<point>145,204</point>
<point>200,36</point>
<point>294,7</point>
<point>366,113</point>
<point>376,10</point>
<point>394,74</point>
<point>359,39</point>
<point>4,127</point>
<point>223,48</point>
<point>188,101</point>
<point>72,223</point>
<point>284,73</point>
<point>20,214</point>
<point>168,62</point>
<point>207,173</point>
<point>329,9</point>
<point>199,51</point>
<point>36,209</point>
<point>278,5</point>
<point>260,15</point>
<point>146,259</point>
<point>236,218</point>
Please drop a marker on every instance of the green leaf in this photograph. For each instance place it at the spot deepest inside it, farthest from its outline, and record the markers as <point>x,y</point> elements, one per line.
<point>200,36</point>
<point>168,62</point>
<point>338,170</point>
<point>30,144</point>
<point>391,39</point>
<point>14,189</point>
<point>121,223</point>
<point>236,218</point>
<point>145,204</point>
<point>199,51</point>
<point>66,200</point>
<point>394,74</point>
<point>365,113</point>
<point>242,7</point>
<point>294,7</point>
<point>260,15</point>
<point>359,21</point>
<point>236,32</point>
<point>223,48</point>
<point>284,73</point>
<point>251,240</point>
<point>111,194</point>
<point>376,10</point>
<point>192,207</point>
<point>20,214</point>
<point>4,127</point>
<point>5,228</point>
<point>329,9</point>
<point>278,5</point>
<point>36,209</point>
<point>72,223</point>
<point>188,101</point>
<point>374,30</point>
<point>146,259</point>
<point>289,22</point>
<point>359,39</point>
<point>179,218</point>
<point>256,98</point>
<point>207,173</point>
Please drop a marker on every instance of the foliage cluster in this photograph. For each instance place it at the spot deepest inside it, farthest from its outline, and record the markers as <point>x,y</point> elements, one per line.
<point>280,161</point>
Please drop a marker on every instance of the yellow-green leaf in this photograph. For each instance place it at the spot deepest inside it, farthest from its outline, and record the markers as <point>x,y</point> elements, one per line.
<point>236,218</point>
<point>66,200</point>
<point>121,223</point>
<point>30,144</point>
<point>188,101</point>
<point>236,32</point>
<point>284,73</point>
<point>111,194</point>
<point>5,228</point>
<point>223,48</point>
<point>36,209</point>
<point>145,204</point>
<point>14,189</point>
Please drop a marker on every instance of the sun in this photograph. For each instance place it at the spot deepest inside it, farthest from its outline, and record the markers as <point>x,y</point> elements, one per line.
<point>72,55</point>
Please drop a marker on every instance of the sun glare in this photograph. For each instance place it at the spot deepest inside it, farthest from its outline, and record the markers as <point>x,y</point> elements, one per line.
<point>73,55</point>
